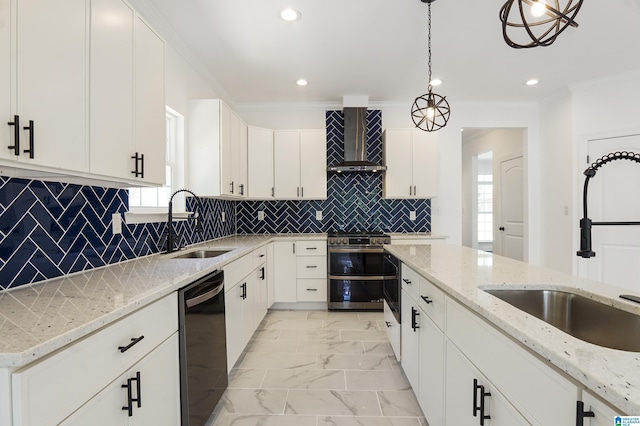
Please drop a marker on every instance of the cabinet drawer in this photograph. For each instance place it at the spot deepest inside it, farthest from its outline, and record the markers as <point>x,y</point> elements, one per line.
<point>518,374</point>
<point>431,300</point>
<point>312,290</point>
<point>259,256</point>
<point>50,390</point>
<point>236,271</point>
<point>311,267</point>
<point>311,248</point>
<point>410,281</point>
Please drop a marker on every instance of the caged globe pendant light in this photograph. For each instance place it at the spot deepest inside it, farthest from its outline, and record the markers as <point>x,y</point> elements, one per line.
<point>542,22</point>
<point>430,112</point>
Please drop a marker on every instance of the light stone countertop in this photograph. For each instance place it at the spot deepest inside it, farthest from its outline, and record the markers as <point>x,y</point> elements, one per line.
<point>37,319</point>
<point>416,235</point>
<point>463,273</point>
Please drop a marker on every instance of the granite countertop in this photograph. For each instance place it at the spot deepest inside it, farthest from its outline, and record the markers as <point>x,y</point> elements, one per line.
<point>37,319</point>
<point>413,235</point>
<point>463,273</point>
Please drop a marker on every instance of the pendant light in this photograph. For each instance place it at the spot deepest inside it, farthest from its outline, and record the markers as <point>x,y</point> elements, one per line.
<point>430,112</point>
<point>540,21</point>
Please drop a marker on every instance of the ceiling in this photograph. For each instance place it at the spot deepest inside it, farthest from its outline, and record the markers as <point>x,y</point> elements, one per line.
<point>378,48</point>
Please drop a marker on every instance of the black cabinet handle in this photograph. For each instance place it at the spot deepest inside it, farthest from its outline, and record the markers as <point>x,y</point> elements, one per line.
<point>273,191</point>
<point>16,134</point>
<point>388,324</point>
<point>142,166</point>
<point>232,187</point>
<point>241,189</point>
<point>129,406</point>
<point>302,191</point>
<point>483,416</point>
<point>476,408</point>
<point>312,248</point>
<point>312,289</point>
<point>311,266</point>
<point>501,228</point>
<point>134,341</point>
<point>581,414</point>
<point>407,281</point>
<point>244,291</point>
<point>138,399</point>
<point>262,274</point>
<point>31,129</point>
<point>137,172</point>
<point>426,299</point>
<point>414,317</point>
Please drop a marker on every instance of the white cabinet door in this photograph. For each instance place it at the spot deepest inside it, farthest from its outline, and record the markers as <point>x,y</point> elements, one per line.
<point>286,153</point>
<point>240,157</point>
<point>431,370</point>
<point>261,293</point>
<point>7,133</point>
<point>393,330</point>
<point>313,164</point>
<point>156,383</point>
<point>111,112</point>
<point>398,180</point>
<point>248,295</point>
<point>464,399</point>
<point>410,340</point>
<point>424,164</point>
<point>603,413</point>
<point>233,323</point>
<point>270,276</point>
<point>284,271</point>
<point>227,132</point>
<point>150,137</point>
<point>51,54</point>
<point>260,163</point>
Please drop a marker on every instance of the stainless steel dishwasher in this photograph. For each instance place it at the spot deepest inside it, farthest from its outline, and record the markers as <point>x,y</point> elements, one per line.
<point>203,348</point>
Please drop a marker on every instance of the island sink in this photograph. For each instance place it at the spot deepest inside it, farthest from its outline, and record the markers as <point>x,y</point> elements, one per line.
<point>579,316</point>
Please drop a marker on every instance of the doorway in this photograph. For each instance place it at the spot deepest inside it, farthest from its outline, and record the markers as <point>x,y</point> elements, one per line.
<point>494,191</point>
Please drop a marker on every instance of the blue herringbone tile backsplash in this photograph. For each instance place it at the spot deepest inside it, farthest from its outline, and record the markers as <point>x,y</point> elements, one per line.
<point>51,229</point>
<point>354,201</point>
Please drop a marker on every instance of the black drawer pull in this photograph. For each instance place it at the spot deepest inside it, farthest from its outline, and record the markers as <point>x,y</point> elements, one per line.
<point>312,289</point>
<point>388,324</point>
<point>134,341</point>
<point>31,129</point>
<point>426,299</point>
<point>16,134</point>
<point>407,281</point>
<point>414,322</point>
<point>129,406</point>
<point>244,291</point>
<point>312,248</point>
<point>312,266</point>
<point>262,273</point>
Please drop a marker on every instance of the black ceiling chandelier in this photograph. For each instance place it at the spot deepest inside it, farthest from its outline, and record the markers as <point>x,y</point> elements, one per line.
<point>542,22</point>
<point>430,112</point>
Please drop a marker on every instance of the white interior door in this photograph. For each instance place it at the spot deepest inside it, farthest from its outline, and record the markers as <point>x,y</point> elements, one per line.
<point>512,208</point>
<point>613,198</point>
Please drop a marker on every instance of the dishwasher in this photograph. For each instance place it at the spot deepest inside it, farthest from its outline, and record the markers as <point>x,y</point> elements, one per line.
<point>203,348</point>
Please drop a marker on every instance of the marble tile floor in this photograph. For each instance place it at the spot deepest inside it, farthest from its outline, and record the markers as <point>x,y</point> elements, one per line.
<point>319,368</point>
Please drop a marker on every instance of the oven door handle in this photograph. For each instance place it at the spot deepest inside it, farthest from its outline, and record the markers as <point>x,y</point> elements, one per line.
<point>362,277</point>
<point>356,250</point>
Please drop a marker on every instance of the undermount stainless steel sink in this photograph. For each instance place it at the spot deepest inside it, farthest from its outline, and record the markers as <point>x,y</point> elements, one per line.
<point>583,318</point>
<point>201,254</point>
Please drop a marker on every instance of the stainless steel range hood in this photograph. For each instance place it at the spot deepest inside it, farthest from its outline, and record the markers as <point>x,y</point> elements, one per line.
<point>355,144</point>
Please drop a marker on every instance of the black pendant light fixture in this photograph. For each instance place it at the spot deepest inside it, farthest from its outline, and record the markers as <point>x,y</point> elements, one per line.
<point>430,112</point>
<point>536,22</point>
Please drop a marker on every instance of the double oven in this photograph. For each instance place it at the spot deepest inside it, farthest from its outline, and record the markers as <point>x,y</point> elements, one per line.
<point>358,271</point>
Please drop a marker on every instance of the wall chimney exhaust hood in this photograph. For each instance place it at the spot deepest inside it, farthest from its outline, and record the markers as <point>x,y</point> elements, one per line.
<point>355,142</point>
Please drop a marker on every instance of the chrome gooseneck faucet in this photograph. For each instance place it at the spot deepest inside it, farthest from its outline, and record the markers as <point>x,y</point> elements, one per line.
<point>171,236</point>
<point>586,223</point>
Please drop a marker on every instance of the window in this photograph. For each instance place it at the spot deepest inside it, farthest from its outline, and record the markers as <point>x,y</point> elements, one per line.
<point>485,208</point>
<point>152,200</point>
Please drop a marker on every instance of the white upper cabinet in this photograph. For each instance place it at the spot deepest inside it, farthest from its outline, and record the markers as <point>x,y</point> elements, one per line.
<point>149,82</point>
<point>7,134</point>
<point>85,78</point>
<point>51,83</point>
<point>260,163</point>
<point>217,150</point>
<point>300,164</point>
<point>411,159</point>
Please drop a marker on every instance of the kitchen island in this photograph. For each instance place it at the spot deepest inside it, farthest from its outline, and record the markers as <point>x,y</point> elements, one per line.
<point>42,319</point>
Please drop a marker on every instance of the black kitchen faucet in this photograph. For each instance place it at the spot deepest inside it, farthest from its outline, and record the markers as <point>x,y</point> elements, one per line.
<point>171,236</point>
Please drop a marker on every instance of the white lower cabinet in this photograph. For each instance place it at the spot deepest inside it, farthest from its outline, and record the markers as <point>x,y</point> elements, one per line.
<point>470,399</point>
<point>410,340</point>
<point>603,414</point>
<point>300,271</point>
<point>77,377</point>
<point>393,330</point>
<point>147,394</point>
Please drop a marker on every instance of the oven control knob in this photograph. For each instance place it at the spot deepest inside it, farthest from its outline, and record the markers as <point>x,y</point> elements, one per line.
<point>343,241</point>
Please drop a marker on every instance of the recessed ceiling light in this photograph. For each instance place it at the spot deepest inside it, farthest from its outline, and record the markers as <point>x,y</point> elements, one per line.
<point>532,82</point>
<point>290,14</point>
<point>302,82</point>
<point>436,82</point>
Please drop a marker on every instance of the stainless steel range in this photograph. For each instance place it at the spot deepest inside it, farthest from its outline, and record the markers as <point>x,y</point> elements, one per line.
<point>357,270</point>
